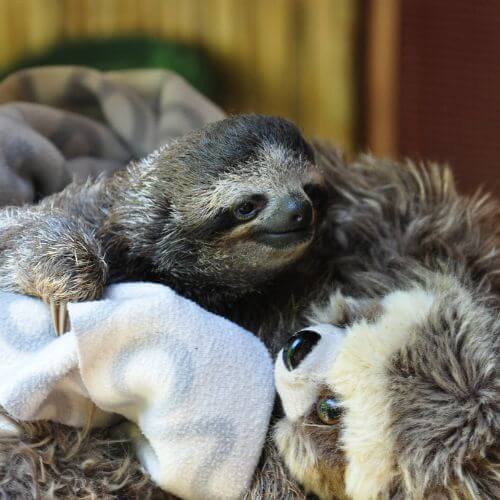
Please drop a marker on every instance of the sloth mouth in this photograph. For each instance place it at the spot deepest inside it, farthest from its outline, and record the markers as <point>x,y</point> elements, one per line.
<point>285,239</point>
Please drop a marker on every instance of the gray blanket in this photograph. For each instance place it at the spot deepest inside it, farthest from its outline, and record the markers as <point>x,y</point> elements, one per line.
<point>60,123</point>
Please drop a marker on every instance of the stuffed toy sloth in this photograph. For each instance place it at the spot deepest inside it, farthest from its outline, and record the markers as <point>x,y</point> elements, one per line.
<point>394,389</point>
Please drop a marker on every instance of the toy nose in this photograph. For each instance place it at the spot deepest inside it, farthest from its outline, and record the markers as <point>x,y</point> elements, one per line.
<point>298,347</point>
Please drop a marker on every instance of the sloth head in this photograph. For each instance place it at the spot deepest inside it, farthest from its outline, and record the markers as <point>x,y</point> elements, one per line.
<point>394,398</point>
<point>231,204</point>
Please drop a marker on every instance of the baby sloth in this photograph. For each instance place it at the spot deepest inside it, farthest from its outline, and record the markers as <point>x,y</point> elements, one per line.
<point>213,215</point>
<point>394,391</point>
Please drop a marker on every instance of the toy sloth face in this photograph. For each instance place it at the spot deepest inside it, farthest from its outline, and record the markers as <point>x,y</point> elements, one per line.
<point>394,398</point>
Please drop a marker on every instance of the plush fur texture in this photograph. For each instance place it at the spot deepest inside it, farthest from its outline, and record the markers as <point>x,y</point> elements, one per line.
<point>416,289</point>
<point>54,461</point>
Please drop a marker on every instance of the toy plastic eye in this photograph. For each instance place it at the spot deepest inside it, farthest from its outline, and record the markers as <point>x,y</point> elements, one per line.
<point>298,347</point>
<point>329,411</point>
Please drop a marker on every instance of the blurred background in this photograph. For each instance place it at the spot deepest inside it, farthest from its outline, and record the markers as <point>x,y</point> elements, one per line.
<point>417,78</point>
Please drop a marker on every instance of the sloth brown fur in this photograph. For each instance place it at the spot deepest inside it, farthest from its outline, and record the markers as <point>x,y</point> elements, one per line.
<point>383,219</point>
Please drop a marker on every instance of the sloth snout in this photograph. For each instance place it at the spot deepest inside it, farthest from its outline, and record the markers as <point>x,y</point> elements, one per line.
<point>292,212</point>
<point>299,212</point>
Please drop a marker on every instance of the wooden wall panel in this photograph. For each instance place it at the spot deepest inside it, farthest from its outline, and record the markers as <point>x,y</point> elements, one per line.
<point>382,82</point>
<point>433,80</point>
<point>450,87</point>
<point>295,58</point>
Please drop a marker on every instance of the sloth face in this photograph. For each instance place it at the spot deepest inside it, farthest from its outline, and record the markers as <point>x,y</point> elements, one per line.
<point>241,199</point>
<point>261,198</point>
<point>267,212</point>
<point>394,398</point>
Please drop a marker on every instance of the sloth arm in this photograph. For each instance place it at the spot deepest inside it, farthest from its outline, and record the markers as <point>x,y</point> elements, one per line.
<point>52,250</point>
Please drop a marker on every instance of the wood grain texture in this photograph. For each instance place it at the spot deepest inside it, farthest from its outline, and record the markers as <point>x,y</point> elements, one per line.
<point>294,58</point>
<point>383,68</point>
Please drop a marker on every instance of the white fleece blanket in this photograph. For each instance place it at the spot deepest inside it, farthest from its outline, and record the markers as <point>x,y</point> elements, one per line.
<point>199,387</point>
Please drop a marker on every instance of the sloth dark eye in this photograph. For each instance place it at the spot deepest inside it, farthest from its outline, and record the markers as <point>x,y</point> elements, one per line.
<point>329,410</point>
<point>247,210</point>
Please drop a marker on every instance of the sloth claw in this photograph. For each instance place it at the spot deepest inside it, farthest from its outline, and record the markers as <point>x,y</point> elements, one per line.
<point>59,314</point>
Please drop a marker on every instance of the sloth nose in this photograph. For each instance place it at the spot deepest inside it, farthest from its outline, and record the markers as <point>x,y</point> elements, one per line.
<point>297,211</point>
<point>298,347</point>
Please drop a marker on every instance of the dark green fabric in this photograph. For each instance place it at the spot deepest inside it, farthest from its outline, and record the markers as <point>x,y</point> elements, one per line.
<point>110,54</point>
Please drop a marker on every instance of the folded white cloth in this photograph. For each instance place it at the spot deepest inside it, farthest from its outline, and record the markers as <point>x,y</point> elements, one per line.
<point>199,387</point>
